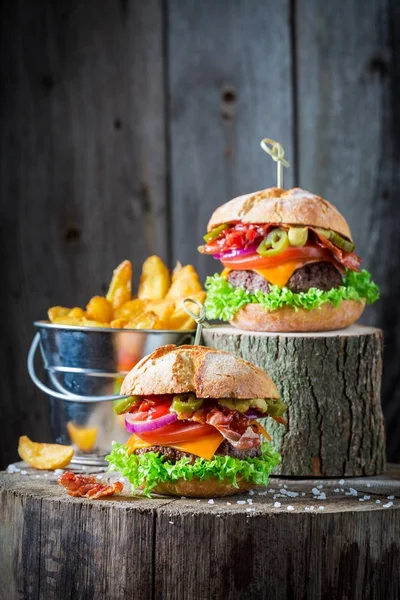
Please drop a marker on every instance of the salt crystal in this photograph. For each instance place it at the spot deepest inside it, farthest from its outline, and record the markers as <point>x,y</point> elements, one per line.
<point>361,499</point>
<point>282,491</point>
<point>211,501</point>
<point>183,497</point>
<point>389,497</point>
<point>37,475</point>
<point>377,501</point>
<point>197,500</point>
<point>368,485</point>
<point>322,496</point>
<point>284,485</point>
<point>263,493</point>
<point>341,481</point>
<point>12,469</point>
<point>315,491</point>
<point>229,503</point>
<point>241,502</point>
<point>290,507</point>
<point>352,492</point>
<point>321,507</point>
<point>250,509</point>
<point>277,505</point>
<point>341,489</point>
<point>58,472</point>
<point>271,491</point>
<point>251,492</point>
<point>320,487</point>
<point>23,472</point>
<point>388,505</point>
<point>249,501</point>
<point>292,494</point>
<point>367,497</point>
<point>171,522</point>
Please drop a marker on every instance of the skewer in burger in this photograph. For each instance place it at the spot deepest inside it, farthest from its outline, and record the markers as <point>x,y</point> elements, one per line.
<point>289,264</point>
<point>192,413</point>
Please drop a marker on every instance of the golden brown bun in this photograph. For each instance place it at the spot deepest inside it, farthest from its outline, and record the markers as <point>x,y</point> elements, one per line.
<point>211,488</point>
<point>275,205</point>
<point>207,372</point>
<point>326,318</point>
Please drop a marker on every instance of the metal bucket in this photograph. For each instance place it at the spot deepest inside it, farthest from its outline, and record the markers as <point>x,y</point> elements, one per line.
<point>85,368</point>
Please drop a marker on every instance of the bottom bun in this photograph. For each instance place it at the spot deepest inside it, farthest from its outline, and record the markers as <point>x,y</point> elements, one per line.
<point>210,488</point>
<point>254,317</point>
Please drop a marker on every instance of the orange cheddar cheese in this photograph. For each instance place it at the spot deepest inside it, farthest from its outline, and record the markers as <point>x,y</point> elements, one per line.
<point>280,275</point>
<point>204,447</point>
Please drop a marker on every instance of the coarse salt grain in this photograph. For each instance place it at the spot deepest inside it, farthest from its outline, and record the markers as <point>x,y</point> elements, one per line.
<point>361,499</point>
<point>388,505</point>
<point>211,501</point>
<point>341,481</point>
<point>389,497</point>
<point>249,501</point>
<point>303,493</point>
<point>229,503</point>
<point>367,497</point>
<point>171,522</point>
<point>250,509</point>
<point>271,491</point>
<point>23,472</point>
<point>320,487</point>
<point>290,507</point>
<point>263,493</point>
<point>315,491</point>
<point>251,492</point>
<point>321,507</point>
<point>241,502</point>
<point>322,496</point>
<point>282,491</point>
<point>336,490</point>
<point>368,485</point>
<point>352,492</point>
<point>277,504</point>
<point>377,501</point>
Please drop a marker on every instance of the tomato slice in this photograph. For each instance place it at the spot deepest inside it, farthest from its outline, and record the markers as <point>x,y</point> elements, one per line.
<point>148,410</point>
<point>255,261</point>
<point>177,432</point>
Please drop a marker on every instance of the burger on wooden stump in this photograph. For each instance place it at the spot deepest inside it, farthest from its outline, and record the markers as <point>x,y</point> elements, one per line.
<point>289,264</point>
<point>193,412</point>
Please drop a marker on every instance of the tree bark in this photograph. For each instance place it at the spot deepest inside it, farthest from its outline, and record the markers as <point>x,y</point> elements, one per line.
<point>273,544</point>
<point>331,382</point>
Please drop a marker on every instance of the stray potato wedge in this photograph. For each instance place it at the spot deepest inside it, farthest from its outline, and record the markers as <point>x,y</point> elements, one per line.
<point>44,456</point>
<point>185,282</point>
<point>155,279</point>
<point>99,309</point>
<point>84,438</point>
<point>120,290</point>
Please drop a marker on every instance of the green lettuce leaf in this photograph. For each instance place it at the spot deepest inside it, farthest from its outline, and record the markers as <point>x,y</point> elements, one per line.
<point>150,468</point>
<point>224,300</point>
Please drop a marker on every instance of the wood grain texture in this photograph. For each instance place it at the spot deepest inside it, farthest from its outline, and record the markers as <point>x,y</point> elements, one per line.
<point>229,86</point>
<point>83,169</point>
<point>331,384</point>
<point>52,545</point>
<point>347,62</point>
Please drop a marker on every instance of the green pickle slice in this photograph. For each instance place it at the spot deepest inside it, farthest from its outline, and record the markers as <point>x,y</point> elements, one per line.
<point>185,403</point>
<point>336,239</point>
<point>276,241</point>
<point>122,406</point>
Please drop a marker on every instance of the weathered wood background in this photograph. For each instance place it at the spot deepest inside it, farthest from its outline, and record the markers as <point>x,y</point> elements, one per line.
<point>124,124</point>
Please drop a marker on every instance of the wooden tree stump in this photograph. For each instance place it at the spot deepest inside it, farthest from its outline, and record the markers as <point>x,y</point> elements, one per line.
<point>331,383</point>
<point>292,541</point>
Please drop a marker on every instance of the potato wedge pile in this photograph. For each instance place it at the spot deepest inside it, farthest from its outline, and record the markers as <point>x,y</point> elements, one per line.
<point>158,304</point>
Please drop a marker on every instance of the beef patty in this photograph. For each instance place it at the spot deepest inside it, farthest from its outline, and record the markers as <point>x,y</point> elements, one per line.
<point>321,275</point>
<point>225,449</point>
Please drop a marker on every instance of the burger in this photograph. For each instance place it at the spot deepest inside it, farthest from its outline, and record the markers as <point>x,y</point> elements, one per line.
<point>193,414</point>
<point>289,264</point>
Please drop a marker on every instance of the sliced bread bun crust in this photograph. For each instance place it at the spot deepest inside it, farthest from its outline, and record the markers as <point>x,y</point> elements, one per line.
<point>275,205</point>
<point>253,317</point>
<point>210,488</point>
<point>207,372</point>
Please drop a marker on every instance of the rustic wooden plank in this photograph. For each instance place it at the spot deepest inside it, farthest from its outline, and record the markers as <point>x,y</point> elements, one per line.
<point>349,146</point>
<point>245,546</point>
<point>83,169</point>
<point>229,86</point>
<point>331,383</point>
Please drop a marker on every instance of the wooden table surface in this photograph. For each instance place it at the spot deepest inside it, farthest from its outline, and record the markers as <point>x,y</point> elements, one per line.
<point>295,539</point>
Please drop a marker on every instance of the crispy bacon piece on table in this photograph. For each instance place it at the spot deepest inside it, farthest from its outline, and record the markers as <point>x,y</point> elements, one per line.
<point>87,486</point>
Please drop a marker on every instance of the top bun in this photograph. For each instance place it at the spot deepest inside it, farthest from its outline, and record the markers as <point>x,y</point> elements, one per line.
<point>275,205</point>
<point>207,372</point>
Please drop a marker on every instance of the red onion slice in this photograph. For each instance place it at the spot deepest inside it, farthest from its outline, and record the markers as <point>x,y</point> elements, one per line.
<point>142,426</point>
<point>240,252</point>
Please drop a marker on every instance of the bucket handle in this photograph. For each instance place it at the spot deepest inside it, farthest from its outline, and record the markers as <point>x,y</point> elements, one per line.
<point>68,397</point>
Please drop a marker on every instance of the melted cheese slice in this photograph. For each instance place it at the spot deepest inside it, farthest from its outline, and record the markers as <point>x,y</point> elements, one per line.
<point>204,447</point>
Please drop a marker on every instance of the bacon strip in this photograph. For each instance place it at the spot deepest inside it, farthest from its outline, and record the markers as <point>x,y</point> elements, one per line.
<point>234,427</point>
<point>87,486</point>
<point>348,259</point>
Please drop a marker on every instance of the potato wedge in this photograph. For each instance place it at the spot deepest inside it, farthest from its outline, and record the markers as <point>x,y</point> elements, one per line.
<point>120,290</point>
<point>130,310</point>
<point>99,309</point>
<point>56,312</point>
<point>185,282</point>
<point>148,320</point>
<point>118,323</point>
<point>84,438</point>
<point>44,456</point>
<point>180,320</point>
<point>154,280</point>
<point>77,312</point>
<point>67,320</point>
